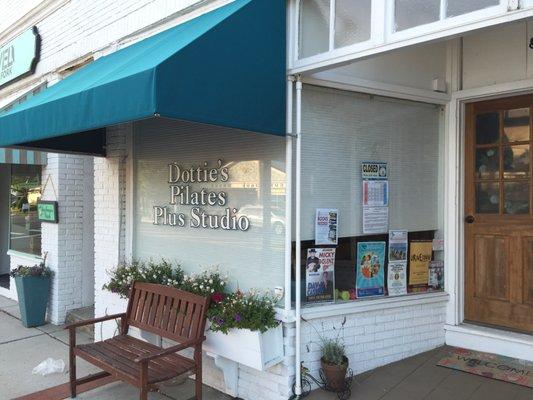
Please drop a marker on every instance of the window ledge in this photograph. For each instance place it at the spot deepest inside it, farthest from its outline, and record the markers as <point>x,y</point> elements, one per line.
<point>25,256</point>
<point>374,304</point>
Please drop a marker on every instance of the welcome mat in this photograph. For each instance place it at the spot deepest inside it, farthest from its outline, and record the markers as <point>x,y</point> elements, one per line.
<point>489,365</point>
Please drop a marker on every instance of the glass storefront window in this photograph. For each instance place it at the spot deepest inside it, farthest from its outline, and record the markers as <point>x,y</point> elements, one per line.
<point>314,27</point>
<point>25,228</point>
<point>341,130</point>
<point>187,216</point>
<point>411,13</point>
<point>459,7</point>
<point>352,22</point>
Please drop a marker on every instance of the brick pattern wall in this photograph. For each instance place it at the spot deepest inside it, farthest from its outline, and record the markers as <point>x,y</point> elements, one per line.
<point>64,180</point>
<point>378,337</point>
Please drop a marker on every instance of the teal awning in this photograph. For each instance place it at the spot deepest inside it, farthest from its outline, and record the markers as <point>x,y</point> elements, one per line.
<point>226,67</point>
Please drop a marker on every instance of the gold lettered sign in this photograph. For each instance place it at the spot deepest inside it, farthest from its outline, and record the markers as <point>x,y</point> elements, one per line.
<point>47,211</point>
<point>420,254</point>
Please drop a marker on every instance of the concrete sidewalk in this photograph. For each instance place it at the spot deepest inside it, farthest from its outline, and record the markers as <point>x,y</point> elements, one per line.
<point>22,349</point>
<point>415,378</point>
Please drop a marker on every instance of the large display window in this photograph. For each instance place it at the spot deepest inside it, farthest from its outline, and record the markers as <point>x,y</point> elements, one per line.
<point>372,223</point>
<point>25,192</point>
<point>208,196</point>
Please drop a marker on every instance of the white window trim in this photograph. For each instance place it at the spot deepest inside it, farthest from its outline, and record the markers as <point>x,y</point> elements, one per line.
<point>388,40</point>
<point>372,304</point>
<point>26,256</point>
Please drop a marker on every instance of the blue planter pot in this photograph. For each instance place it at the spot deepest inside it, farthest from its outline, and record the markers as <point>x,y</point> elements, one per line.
<point>33,293</point>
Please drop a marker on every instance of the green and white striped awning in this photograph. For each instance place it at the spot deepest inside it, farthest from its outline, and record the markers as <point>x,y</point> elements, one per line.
<point>16,156</point>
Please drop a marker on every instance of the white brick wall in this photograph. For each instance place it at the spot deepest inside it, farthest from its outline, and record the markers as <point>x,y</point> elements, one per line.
<point>64,180</point>
<point>378,337</point>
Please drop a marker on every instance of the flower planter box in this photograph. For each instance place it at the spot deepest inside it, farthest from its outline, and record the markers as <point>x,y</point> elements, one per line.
<point>33,292</point>
<point>253,349</point>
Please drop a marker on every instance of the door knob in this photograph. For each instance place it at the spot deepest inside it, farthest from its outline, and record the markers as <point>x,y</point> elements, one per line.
<point>469,219</point>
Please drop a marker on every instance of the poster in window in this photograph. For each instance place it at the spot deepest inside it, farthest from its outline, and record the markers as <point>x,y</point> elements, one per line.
<point>397,278</point>
<point>420,253</point>
<point>436,275</point>
<point>326,226</point>
<point>370,274</point>
<point>320,275</point>
<point>397,246</point>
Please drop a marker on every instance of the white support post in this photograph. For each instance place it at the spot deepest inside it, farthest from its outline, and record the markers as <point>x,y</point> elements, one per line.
<point>297,256</point>
<point>288,197</point>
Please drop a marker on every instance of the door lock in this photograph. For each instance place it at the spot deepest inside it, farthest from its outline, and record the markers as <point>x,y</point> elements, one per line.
<point>469,219</point>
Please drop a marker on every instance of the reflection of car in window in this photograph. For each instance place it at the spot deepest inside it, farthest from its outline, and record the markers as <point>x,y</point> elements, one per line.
<point>256,214</point>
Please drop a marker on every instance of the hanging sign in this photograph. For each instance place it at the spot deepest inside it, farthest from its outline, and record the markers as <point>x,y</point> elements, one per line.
<point>47,211</point>
<point>19,57</point>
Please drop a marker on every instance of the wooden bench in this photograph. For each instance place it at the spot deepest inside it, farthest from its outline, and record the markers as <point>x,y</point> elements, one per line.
<point>162,310</point>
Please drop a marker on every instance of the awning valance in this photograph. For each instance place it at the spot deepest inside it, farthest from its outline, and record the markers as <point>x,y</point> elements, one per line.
<point>16,156</point>
<point>226,67</point>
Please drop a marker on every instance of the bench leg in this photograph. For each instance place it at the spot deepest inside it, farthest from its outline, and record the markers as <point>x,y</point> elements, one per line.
<point>72,363</point>
<point>144,394</point>
<point>198,377</point>
<point>144,381</point>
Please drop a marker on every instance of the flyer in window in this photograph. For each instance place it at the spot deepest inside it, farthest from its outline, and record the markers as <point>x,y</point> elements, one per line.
<point>420,254</point>
<point>320,275</point>
<point>370,275</point>
<point>326,226</point>
<point>436,275</point>
<point>375,220</point>
<point>397,278</point>
<point>375,193</point>
<point>397,246</point>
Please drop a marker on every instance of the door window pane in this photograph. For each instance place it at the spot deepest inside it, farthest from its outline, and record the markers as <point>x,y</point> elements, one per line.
<point>352,21</point>
<point>411,13</point>
<point>516,197</point>
<point>25,228</point>
<point>516,125</point>
<point>488,163</point>
<point>488,128</point>
<point>516,161</point>
<point>314,27</point>
<point>488,198</point>
<point>458,7</point>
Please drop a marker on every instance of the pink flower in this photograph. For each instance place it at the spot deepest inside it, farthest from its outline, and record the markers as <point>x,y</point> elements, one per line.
<point>217,297</point>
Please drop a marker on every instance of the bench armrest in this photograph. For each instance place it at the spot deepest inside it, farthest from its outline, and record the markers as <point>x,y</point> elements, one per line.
<point>94,321</point>
<point>169,350</point>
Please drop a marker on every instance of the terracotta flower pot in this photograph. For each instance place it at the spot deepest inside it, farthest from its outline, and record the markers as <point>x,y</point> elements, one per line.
<point>335,374</point>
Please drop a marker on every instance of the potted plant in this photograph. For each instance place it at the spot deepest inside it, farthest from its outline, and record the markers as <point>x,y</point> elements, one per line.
<point>333,358</point>
<point>33,290</point>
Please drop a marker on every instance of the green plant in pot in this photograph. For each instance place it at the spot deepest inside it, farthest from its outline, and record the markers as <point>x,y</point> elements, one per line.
<point>33,290</point>
<point>333,357</point>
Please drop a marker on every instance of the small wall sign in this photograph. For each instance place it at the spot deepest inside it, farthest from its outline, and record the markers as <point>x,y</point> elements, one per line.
<point>19,57</point>
<point>47,211</point>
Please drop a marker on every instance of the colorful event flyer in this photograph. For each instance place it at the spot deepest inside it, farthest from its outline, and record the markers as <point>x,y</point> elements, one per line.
<point>397,278</point>
<point>320,275</point>
<point>370,274</point>
<point>326,226</point>
<point>420,254</point>
<point>436,275</point>
<point>397,246</point>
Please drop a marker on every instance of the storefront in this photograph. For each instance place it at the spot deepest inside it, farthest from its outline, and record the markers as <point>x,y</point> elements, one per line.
<point>392,185</point>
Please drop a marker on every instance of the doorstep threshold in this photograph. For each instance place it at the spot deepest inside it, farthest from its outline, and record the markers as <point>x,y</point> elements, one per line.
<point>490,340</point>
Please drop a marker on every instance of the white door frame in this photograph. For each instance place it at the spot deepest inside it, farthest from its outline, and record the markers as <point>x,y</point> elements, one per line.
<point>458,333</point>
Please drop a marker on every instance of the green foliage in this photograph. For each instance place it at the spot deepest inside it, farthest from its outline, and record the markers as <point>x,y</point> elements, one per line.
<point>332,347</point>
<point>39,270</point>
<point>253,310</point>
<point>125,274</point>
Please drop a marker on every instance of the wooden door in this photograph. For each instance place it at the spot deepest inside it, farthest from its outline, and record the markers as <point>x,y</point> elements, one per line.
<point>499,213</point>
